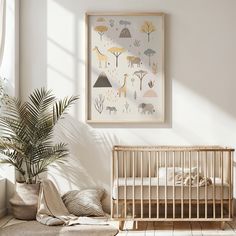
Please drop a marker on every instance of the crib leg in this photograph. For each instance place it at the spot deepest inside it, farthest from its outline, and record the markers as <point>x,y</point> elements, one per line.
<point>121,225</point>
<point>136,224</point>
<point>222,225</point>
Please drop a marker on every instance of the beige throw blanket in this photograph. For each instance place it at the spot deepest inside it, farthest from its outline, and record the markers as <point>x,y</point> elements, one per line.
<point>52,211</point>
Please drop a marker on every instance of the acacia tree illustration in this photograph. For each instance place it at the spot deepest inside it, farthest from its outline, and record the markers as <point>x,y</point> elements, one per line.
<point>116,52</point>
<point>98,103</point>
<point>140,74</point>
<point>101,29</point>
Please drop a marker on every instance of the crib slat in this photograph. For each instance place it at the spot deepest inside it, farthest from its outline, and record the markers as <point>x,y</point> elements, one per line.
<point>190,186</point>
<point>214,183</point>
<point>141,164</point>
<point>130,163</point>
<point>125,188</point>
<point>206,187</point>
<point>198,185</point>
<point>157,161</point>
<point>165,156</point>
<point>112,182</point>
<point>230,179</point>
<point>133,166</point>
<point>222,179</point>
<point>117,182</point>
<point>182,182</point>
<point>149,190</point>
<point>173,156</point>
<point>122,165</point>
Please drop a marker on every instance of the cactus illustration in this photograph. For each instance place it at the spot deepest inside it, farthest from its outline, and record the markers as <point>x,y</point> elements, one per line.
<point>98,103</point>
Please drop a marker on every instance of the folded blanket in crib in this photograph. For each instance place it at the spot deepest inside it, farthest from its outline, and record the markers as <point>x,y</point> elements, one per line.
<point>191,179</point>
<point>52,211</point>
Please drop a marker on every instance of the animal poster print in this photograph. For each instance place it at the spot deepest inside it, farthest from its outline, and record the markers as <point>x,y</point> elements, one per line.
<point>125,68</point>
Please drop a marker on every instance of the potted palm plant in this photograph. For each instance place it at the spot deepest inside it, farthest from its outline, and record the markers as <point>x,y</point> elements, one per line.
<point>26,132</point>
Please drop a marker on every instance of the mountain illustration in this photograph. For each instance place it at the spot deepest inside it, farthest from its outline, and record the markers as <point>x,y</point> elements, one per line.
<point>150,93</point>
<point>102,81</point>
<point>125,33</point>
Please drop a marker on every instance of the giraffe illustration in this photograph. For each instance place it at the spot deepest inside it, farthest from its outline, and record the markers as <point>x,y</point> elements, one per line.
<point>101,57</point>
<point>123,89</point>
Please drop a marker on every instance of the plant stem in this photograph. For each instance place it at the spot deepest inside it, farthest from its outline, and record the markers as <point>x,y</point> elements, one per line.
<point>117,61</point>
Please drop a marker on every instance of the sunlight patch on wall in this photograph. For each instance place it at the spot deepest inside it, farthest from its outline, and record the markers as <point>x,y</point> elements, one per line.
<point>61,59</point>
<point>60,22</point>
<point>197,119</point>
<point>61,85</point>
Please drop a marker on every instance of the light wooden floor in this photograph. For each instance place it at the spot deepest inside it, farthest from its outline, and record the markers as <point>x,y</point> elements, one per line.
<point>169,228</point>
<point>179,229</point>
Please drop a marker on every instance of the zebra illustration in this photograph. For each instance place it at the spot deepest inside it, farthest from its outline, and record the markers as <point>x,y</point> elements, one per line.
<point>111,109</point>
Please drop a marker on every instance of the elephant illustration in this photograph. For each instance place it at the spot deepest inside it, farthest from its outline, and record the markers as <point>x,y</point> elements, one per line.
<point>146,107</point>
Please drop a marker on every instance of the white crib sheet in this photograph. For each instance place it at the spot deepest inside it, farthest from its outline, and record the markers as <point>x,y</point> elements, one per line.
<point>153,187</point>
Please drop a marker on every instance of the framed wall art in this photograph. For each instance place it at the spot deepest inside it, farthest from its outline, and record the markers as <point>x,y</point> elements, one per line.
<point>125,67</point>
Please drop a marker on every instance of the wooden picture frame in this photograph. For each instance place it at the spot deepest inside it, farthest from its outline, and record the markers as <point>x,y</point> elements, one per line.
<point>125,68</point>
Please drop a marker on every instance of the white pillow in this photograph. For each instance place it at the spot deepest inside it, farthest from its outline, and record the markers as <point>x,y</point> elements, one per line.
<point>85,202</point>
<point>162,171</point>
<point>169,171</point>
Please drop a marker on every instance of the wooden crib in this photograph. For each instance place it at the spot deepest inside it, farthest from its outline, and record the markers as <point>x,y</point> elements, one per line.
<point>172,183</point>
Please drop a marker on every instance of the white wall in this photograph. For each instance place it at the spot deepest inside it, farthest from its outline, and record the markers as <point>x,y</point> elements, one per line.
<point>200,78</point>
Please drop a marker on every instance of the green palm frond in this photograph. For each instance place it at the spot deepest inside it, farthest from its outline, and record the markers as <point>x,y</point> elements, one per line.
<point>60,107</point>
<point>41,102</point>
<point>13,129</point>
<point>8,145</point>
<point>15,119</point>
<point>53,154</point>
<point>12,158</point>
<point>26,132</point>
<point>13,108</point>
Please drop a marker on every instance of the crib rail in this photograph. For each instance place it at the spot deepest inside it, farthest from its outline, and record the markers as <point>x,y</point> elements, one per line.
<point>168,183</point>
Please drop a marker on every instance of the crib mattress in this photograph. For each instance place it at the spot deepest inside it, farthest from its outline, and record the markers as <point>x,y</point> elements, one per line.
<point>120,190</point>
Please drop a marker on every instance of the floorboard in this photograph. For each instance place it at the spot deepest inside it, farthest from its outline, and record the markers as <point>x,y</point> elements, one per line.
<point>150,230</point>
<point>182,229</point>
<point>164,228</point>
<point>196,229</point>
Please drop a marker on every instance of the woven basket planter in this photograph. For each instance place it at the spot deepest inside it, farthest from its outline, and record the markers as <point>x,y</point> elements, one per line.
<point>24,202</point>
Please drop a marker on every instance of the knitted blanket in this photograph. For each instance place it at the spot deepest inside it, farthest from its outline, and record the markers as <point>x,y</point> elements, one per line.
<point>52,211</point>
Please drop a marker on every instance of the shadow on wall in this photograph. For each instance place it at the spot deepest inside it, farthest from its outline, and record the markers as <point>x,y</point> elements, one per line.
<point>88,164</point>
